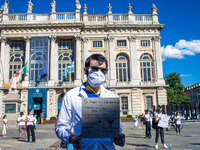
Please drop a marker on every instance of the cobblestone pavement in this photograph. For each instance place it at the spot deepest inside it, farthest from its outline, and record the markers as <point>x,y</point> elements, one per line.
<point>135,139</point>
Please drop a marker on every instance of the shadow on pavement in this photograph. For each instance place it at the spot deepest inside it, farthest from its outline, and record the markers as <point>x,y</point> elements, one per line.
<point>195,143</point>
<point>139,145</point>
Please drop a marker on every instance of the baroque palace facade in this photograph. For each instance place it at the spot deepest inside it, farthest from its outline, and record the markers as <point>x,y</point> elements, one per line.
<point>130,42</point>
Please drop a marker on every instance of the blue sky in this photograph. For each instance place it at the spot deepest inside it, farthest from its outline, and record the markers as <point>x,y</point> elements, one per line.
<point>180,36</point>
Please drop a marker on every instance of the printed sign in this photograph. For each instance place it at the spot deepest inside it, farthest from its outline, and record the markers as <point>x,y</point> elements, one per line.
<point>164,121</point>
<point>100,117</point>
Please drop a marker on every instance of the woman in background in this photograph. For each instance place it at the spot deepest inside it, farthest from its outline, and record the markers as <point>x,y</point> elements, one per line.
<point>5,125</point>
<point>159,130</point>
<point>178,123</point>
<point>147,118</point>
<point>30,126</point>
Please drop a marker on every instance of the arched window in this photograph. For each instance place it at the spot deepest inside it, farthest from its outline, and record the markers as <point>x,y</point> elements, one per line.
<point>17,53</point>
<point>122,68</point>
<point>65,58</point>
<point>146,67</point>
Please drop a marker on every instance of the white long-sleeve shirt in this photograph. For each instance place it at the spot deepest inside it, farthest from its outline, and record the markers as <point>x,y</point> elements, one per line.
<point>71,112</point>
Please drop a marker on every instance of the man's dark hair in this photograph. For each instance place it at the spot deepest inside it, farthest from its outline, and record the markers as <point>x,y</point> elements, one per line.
<point>21,113</point>
<point>98,57</point>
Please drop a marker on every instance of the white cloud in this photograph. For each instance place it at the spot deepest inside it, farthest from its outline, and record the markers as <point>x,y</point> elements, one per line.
<point>181,48</point>
<point>186,75</point>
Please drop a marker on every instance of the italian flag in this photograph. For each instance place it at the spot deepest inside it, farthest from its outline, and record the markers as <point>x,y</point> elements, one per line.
<point>23,70</point>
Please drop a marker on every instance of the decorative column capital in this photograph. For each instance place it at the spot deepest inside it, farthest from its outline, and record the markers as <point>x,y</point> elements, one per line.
<point>3,39</point>
<point>53,38</point>
<point>109,38</point>
<point>156,38</point>
<point>85,39</point>
<point>132,38</point>
<point>77,37</point>
<point>27,38</point>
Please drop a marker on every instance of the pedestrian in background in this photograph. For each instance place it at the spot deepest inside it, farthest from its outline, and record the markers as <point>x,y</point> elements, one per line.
<point>136,122</point>
<point>21,124</point>
<point>178,123</point>
<point>30,126</point>
<point>159,130</point>
<point>147,118</point>
<point>5,126</point>
<point>35,122</point>
<point>142,121</point>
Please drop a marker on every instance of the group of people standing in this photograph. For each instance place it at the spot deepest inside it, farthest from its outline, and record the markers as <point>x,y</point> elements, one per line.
<point>27,123</point>
<point>149,118</point>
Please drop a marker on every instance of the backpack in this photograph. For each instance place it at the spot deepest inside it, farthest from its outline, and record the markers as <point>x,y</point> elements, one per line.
<point>154,124</point>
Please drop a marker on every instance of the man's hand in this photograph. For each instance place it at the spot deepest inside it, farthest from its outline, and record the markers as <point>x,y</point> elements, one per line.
<point>120,140</point>
<point>75,140</point>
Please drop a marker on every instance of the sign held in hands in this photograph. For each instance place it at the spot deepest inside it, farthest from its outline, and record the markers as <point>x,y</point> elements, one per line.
<point>100,117</point>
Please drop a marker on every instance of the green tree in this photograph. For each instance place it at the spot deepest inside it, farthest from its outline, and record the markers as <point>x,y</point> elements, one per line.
<point>175,91</point>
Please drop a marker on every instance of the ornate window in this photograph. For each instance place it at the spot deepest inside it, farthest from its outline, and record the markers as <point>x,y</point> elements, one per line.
<point>39,56</point>
<point>17,53</point>
<point>65,57</point>
<point>149,102</point>
<point>122,68</point>
<point>145,43</point>
<point>124,104</point>
<point>146,67</point>
<point>121,43</point>
<point>97,44</point>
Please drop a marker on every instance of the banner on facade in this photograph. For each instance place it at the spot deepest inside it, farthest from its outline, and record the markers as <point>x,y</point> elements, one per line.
<point>100,117</point>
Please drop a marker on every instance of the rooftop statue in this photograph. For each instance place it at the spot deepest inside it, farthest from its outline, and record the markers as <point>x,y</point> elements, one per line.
<point>77,5</point>
<point>5,6</point>
<point>30,6</point>
<point>53,6</point>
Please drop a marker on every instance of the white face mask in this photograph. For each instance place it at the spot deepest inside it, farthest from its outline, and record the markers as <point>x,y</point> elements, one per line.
<point>95,79</point>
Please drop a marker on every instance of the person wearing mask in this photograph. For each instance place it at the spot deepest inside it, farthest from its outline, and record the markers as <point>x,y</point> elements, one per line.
<point>71,109</point>
<point>178,123</point>
<point>5,126</point>
<point>148,124</point>
<point>159,130</point>
<point>30,126</point>
<point>21,124</point>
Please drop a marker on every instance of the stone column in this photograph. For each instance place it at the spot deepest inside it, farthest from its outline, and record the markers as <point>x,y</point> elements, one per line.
<point>133,61</point>
<point>158,58</point>
<point>111,62</point>
<point>77,63</point>
<point>6,61</point>
<point>3,45</point>
<point>27,59</point>
<point>53,53</point>
<point>85,52</point>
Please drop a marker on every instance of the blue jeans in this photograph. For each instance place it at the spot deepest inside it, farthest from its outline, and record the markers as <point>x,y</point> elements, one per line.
<point>178,128</point>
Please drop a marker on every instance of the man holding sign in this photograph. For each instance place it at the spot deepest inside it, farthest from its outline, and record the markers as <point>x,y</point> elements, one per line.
<point>76,108</point>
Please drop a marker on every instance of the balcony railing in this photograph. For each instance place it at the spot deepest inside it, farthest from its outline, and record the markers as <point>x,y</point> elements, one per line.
<point>71,17</point>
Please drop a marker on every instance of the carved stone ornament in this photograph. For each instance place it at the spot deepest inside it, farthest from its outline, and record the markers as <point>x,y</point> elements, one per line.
<point>154,9</point>
<point>30,7</point>
<point>109,9</point>
<point>132,38</point>
<point>53,6</point>
<point>109,38</point>
<point>130,8</point>
<point>3,39</point>
<point>85,9</point>
<point>156,38</point>
<point>85,39</point>
<point>27,38</point>
<point>53,38</point>
<point>77,37</point>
